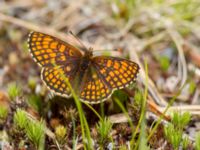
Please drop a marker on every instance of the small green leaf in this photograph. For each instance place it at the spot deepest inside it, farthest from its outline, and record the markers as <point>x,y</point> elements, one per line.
<point>60,132</point>
<point>181,120</point>
<point>173,135</point>
<point>36,102</point>
<point>14,90</point>
<point>197,141</point>
<point>20,119</point>
<point>138,97</point>
<point>35,131</point>
<point>164,63</point>
<point>185,142</point>
<point>104,128</point>
<point>121,95</point>
<point>192,87</point>
<point>3,112</point>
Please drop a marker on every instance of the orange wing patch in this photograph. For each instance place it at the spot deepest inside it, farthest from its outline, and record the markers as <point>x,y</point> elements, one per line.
<point>117,72</point>
<point>48,50</point>
<point>53,78</point>
<point>94,89</point>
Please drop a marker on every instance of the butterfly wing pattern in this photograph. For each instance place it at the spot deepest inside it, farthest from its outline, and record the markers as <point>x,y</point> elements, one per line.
<point>102,76</point>
<point>49,51</point>
<point>53,79</point>
<point>110,74</point>
<point>116,72</point>
<point>94,89</point>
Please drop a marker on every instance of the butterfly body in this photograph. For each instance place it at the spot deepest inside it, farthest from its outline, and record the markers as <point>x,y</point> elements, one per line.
<point>94,78</point>
<point>86,61</point>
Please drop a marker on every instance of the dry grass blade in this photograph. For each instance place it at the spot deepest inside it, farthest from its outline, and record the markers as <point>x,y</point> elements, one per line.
<point>123,31</point>
<point>118,118</point>
<point>61,20</point>
<point>44,29</point>
<point>157,97</point>
<point>193,52</point>
<point>179,43</point>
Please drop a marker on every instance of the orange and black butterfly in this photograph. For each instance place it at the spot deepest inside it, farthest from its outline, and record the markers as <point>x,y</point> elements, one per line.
<point>94,77</point>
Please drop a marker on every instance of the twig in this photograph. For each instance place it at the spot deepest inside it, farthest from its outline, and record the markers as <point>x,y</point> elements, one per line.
<point>11,5</point>
<point>194,69</point>
<point>123,31</point>
<point>154,39</point>
<point>43,29</point>
<point>60,21</point>
<point>195,99</point>
<point>118,118</point>
<point>193,109</point>
<point>171,95</point>
<point>193,52</point>
<point>151,87</point>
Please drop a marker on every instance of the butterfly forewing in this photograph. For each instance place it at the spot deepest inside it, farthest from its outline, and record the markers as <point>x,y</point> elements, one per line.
<point>57,58</point>
<point>116,72</point>
<point>48,50</point>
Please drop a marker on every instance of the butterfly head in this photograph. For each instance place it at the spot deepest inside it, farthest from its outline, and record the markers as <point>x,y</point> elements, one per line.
<point>90,49</point>
<point>89,52</point>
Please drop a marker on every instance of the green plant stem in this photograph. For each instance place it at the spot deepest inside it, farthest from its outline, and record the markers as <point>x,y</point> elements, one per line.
<point>74,132</point>
<point>84,125</point>
<point>142,116</point>
<point>125,112</point>
<point>96,113</point>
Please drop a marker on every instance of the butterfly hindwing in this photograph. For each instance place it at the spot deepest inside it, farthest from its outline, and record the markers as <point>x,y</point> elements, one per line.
<point>55,78</point>
<point>93,88</point>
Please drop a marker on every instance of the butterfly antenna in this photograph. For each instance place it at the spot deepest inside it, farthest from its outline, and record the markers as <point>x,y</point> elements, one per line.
<point>81,43</point>
<point>106,50</point>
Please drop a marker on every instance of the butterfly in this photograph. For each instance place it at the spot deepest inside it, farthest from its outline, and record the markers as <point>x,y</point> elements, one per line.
<point>94,78</point>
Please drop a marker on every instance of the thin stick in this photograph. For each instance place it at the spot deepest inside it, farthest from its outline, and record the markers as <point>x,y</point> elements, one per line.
<point>39,28</point>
